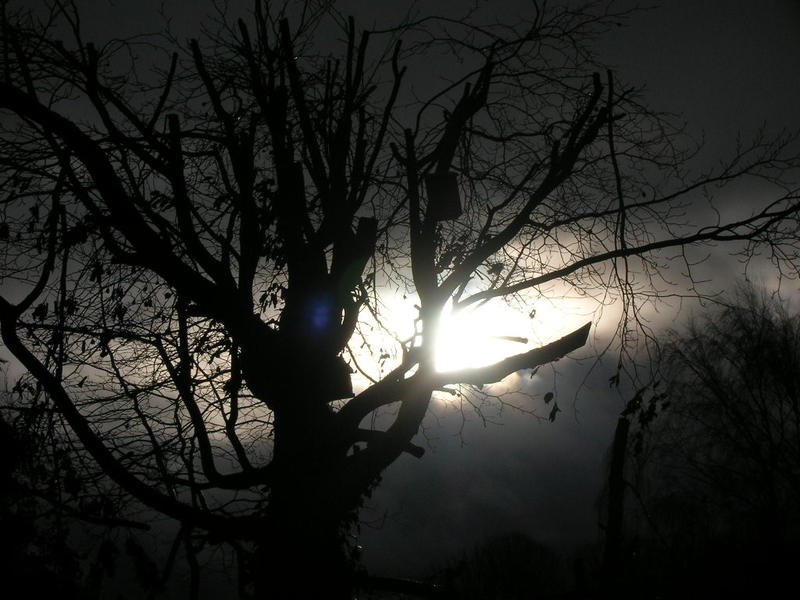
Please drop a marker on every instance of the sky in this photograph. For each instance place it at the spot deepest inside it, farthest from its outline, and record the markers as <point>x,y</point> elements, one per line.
<point>726,66</point>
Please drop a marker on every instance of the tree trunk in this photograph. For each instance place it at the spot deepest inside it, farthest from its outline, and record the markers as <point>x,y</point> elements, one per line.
<point>302,551</point>
<point>301,557</point>
<point>612,554</point>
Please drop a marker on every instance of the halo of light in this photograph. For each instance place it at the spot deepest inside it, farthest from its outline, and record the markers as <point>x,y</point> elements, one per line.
<point>479,336</point>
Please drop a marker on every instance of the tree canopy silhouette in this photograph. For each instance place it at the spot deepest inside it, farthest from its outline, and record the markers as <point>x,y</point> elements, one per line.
<point>196,237</point>
<point>714,474</point>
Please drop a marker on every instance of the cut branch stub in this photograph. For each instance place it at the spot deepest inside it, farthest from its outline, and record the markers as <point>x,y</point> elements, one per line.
<point>444,203</point>
<point>340,385</point>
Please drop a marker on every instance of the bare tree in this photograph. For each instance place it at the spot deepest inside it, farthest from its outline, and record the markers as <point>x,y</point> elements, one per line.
<point>192,253</point>
<point>714,475</point>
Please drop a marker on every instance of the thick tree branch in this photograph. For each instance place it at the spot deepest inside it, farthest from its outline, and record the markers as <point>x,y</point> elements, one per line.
<point>318,171</point>
<point>150,247</point>
<point>371,435</point>
<point>110,465</point>
<point>526,360</point>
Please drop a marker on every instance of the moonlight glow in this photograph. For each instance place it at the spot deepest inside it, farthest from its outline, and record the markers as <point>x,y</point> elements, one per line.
<point>478,336</point>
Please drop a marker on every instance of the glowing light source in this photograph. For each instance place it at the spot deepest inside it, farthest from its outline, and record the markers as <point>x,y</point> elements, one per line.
<point>480,336</point>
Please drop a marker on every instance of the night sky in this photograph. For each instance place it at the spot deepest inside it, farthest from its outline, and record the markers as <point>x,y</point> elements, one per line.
<point>726,66</point>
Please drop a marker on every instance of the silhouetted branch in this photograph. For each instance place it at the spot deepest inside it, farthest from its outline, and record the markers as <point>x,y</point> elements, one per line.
<point>526,360</point>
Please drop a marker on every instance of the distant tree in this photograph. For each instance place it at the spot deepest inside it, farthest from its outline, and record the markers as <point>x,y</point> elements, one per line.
<point>34,555</point>
<point>716,473</point>
<point>47,500</point>
<point>195,244</point>
<point>510,566</point>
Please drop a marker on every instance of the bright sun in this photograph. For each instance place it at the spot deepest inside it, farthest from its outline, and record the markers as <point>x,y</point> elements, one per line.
<point>473,337</point>
<point>480,336</point>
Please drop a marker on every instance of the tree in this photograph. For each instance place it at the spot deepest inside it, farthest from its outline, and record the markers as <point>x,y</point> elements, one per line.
<point>59,519</point>
<point>35,554</point>
<point>716,472</point>
<point>510,565</point>
<point>193,253</point>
